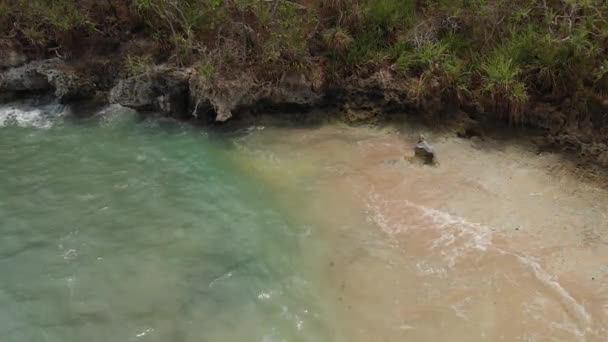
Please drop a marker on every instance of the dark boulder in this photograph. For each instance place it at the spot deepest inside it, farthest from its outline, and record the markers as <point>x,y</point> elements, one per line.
<point>425,152</point>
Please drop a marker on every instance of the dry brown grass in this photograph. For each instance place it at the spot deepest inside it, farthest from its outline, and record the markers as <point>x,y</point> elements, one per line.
<point>337,39</point>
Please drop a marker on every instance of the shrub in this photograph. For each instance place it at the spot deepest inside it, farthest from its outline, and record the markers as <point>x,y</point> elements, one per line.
<point>136,66</point>
<point>388,15</point>
<point>205,69</point>
<point>456,79</point>
<point>337,39</point>
<point>500,81</point>
<point>427,56</point>
<point>365,47</point>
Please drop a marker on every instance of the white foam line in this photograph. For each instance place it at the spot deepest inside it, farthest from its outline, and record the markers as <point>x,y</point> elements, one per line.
<point>221,277</point>
<point>549,281</point>
<point>481,234</point>
<point>29,117</point>
<point>482,240</point>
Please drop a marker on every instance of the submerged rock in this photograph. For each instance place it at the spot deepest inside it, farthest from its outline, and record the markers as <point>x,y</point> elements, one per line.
<point>164,90</point>
<point>424,151</point>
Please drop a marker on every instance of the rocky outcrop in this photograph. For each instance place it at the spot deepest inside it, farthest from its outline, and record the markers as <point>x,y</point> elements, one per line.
<point>380,89</point>
<point>546,116</point>
<point>51,75</point>
<point>227,94</point>
<point>468,128</point>
<point>296,89</point>
<point>360,114</point>
<point>25,78</point>
<point>163,90</point>
<point>567,129</point>
<point>386,87</point>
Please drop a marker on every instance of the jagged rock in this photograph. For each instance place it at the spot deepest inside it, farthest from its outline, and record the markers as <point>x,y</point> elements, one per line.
<point>388,89</point>
<point>357,115</point>
<point>568,142</point>
<point>226,94</point>
<point>469,128</point>
<point>163,90</point>
<point>295,89</point>
<point>546,116</point>
<point>45,76</point>
<point>24,78</point>
<point>382,85</point>
<point>68,83</point>
<point>424,151</point>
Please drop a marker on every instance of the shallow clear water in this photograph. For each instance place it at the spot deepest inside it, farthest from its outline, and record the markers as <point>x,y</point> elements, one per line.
<point>118,230</point>
<point>114,228</point>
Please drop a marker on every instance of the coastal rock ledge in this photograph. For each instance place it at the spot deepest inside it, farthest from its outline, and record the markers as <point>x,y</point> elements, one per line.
<point>163,90</point>
<point>54,76</point>
<point>183,94</point>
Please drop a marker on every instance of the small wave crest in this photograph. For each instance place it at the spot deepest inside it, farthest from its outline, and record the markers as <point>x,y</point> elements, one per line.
<point>36,117</point>
<point>114,115</point>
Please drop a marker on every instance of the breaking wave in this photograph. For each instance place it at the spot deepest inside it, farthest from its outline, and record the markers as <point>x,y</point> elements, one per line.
<point>23,115</point>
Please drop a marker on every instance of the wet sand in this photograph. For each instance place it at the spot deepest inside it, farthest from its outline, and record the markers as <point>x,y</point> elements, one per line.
<point>495,243</point>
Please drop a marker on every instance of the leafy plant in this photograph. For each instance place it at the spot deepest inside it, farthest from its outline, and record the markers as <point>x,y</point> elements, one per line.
<point>456,78</point>
<point>387,15</point>
<point>205,69</point>
<point>500,82</point>
<point>427,56</point>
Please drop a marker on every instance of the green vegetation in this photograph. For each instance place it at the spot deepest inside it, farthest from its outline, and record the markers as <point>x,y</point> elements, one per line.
<point>499,54</point>
<point>500,79</point>
<point>136,66</point>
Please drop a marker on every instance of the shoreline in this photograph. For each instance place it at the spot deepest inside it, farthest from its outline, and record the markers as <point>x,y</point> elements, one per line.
<point>469,64</point>
<point>373,110</point>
